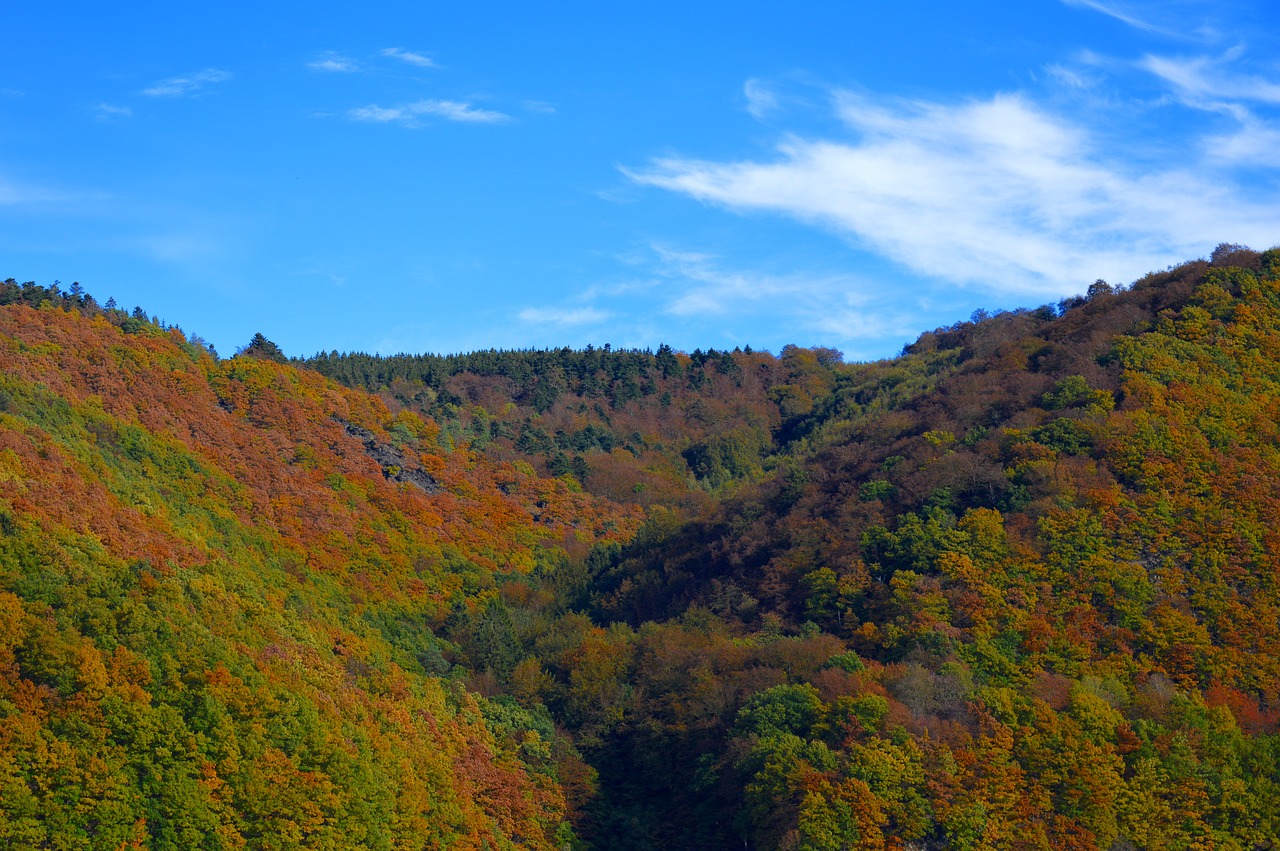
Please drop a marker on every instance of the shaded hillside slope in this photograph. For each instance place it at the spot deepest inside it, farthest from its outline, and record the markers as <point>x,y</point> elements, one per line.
<point>1017,588</point>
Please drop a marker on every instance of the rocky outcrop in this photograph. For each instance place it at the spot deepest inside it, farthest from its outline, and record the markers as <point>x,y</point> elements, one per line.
<point>396,466</point>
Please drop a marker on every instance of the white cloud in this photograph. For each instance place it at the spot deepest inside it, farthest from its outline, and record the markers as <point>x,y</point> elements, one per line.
<point>1254,142</point>
<point>460,111</point>
<point>187,85</point>
<point>1213,84</point>
<point>707,289</point>
<point>1122,14</point>
<point>1070,77</point>
<point>996,192</point>
<point>564,316</point>
<point>1200,79</point>
<point>409,57</point>
<point>379,113</point>
<point>334,63</point>
<point>106,111</point>
<point>412,113</point>
<point>761,99</point>
<point>830,304</point>
<point>540,106</point>
<point>694,295</point>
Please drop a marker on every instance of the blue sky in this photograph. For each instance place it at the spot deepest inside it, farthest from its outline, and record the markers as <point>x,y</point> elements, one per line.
<point>444,176</point>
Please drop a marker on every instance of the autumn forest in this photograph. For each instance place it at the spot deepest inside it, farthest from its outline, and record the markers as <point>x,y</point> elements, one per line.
<point>1018,587</point>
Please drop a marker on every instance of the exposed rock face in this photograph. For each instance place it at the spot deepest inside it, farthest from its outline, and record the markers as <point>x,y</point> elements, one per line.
<point>396,466</point>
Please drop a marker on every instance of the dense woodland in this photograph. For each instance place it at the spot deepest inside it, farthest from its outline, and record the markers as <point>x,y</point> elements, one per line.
<point>1016,588</point>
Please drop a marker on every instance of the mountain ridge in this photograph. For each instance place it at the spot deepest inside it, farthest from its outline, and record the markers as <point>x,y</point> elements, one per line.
<point>1014,588</point>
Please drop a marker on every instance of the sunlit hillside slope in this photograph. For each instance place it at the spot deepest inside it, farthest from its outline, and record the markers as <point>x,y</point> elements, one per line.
<point>218,585</point>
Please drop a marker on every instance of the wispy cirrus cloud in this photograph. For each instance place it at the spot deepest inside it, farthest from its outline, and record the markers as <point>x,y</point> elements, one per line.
<point>707,289</point>
<point>409,57</point>
<point>997,192</point>
<point>1227,85</point>
<point>1071,77</point>
<point>1242,87</point>
<point>107,112</point>
<point>564,316</point>
<point>1252,142</point>
<point>413,113</point>
<point>761,98</point>
<point>677,293</point>
<point>833,306</point>
<point>188,84</point>
<point>1124,14</point>
<point>1200,80</point>
<point>1187,21</point>
<point>334,63</point>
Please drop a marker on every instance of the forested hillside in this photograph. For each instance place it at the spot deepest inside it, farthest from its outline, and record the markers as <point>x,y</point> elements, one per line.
<point>1016,588</point>
<point>220,582</point>
<point>633,426</point>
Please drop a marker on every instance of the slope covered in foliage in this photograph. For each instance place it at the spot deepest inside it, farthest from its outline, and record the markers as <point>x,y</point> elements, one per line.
<point>219,582</point>
<point>1017,588</point>
<point>648,428</point>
